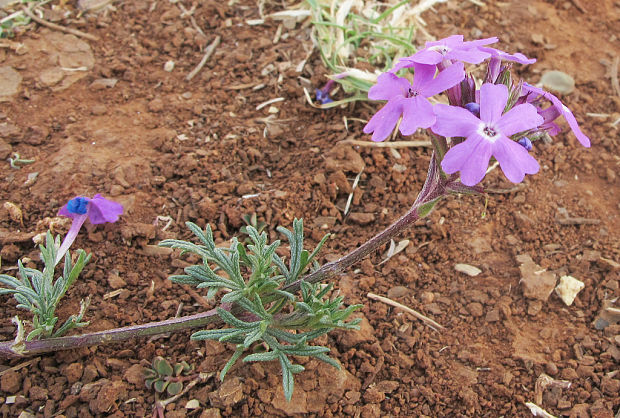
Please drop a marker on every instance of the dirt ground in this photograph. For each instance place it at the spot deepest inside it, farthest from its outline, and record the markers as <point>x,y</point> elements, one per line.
<point>105,117</point>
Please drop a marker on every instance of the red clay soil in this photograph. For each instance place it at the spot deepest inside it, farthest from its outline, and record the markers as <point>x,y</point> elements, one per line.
<point>120,125</point>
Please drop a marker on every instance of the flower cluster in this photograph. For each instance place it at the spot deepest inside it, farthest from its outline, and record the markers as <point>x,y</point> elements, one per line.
<point>497,119</point>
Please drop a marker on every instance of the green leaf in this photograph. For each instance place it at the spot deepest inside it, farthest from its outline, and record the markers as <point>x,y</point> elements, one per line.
<point>174,388</point>
<point>160,385</point>
<point>149,382</point>
<point>267,356</point>
<point>178,369</point>
<point>288,381</point>
<point>162,366</point>
<point>233,359</point>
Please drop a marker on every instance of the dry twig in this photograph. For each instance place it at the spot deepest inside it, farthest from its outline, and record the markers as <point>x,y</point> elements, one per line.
<point>54,26</point>
<point>208,52</point>
<point>434,325</point>
<point>396,144</point>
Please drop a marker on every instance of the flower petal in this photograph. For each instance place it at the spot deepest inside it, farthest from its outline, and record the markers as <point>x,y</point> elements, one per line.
<point>514,160</point>
<point>493,98</point>
<point>388,86</point>
<point>423,74</point>
<point>568,115</point>
<point>572,122</point>
<point>102,210</point>
<point>454,121</point>
<point>427,56</point>
<point>417,113</point>
<point>447,78</point>
<point>470,157</point>
<point>472,56</point>
<point>480,42</point>
<point>516,57</point>
<point>384,121</point>
<point>451,41</point>
<point>65,212</point>
<point>518,119</point>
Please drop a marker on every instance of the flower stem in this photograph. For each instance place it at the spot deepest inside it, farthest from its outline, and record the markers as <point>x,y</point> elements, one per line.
<point>433,190</point>
<point>77,223</point>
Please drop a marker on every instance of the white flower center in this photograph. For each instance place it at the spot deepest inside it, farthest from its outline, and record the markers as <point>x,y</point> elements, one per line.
<point>442,49</point>
<point>488,132</point>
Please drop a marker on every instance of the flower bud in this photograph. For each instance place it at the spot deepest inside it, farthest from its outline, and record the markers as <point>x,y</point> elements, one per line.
<point>526,143</point>
<point>474,108</point>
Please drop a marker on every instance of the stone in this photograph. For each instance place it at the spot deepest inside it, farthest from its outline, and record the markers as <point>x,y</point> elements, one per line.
<point>135,375</point>
<point>156,105</point>
<point>11,381</point>
<point>350,339</point>
<point>211,413</point>
<point>558,81</point>
<point>51,76</point>
<point>110,393</point>
<point>73,372</point>
<point>228,394</point>
<point>37,393</point>
<point>344,158</point>
<point>362,218</point>
<point>10,80</point>
<point>475,309</point>
<point>115,281</point>
<point>103,83</point>
<point>568,288</point>
<point>537,283</point>
<point>467,269</point>
<point>397,292</point>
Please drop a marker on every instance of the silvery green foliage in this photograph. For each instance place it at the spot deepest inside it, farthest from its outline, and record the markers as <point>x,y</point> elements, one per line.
<point>262,317</point>
<point>38,292</point>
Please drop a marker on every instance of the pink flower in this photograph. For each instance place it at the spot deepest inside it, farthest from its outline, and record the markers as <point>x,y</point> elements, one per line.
<point>409,99</point>
<point>487,136</point>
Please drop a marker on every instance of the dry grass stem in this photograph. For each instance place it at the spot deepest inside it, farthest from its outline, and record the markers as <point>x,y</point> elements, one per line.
<point>208,52</point>
<point>54,26</point>
<point>398,144</point>
<point>432,324</point>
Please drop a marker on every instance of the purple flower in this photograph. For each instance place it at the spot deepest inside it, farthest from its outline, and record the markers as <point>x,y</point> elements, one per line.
<point>322,94</point>
<point>557,108</point>
<point>98,210</point>
<point>487,136</point>
<point>504,56</point>
<point>450,48</point>
<point>409,99</point>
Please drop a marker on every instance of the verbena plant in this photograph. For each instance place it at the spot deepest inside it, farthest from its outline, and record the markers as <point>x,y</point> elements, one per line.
<point>271,308</point>
<point>270,322</point>
<point>38,291</point>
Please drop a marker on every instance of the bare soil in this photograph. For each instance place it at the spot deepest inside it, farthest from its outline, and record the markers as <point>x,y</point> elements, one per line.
<point>105,117</point>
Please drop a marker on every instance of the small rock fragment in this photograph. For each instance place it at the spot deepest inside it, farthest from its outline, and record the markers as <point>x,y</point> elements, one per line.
<point>169,66</point>
<point>568,288</point>
<point>558,81</point>
<point>10,80</point>
<point>537,282</point>
<point>468,269</point>
<point>103,83</point>
<point>51,76</point>
<point>362,218</point>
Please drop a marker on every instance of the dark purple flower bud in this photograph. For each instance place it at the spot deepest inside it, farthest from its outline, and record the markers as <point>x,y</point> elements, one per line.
<point>474,108</point>
<point>526,143</point>
<point>78,205</point>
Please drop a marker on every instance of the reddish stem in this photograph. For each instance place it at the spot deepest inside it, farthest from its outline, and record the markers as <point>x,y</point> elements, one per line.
<point>434,189</point>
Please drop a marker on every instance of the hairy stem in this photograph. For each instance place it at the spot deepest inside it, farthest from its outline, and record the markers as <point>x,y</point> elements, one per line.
<point>433,190</point>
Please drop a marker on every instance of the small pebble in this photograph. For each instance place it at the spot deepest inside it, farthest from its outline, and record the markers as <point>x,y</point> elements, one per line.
<point>558,81</point>
<point>169,66</point>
